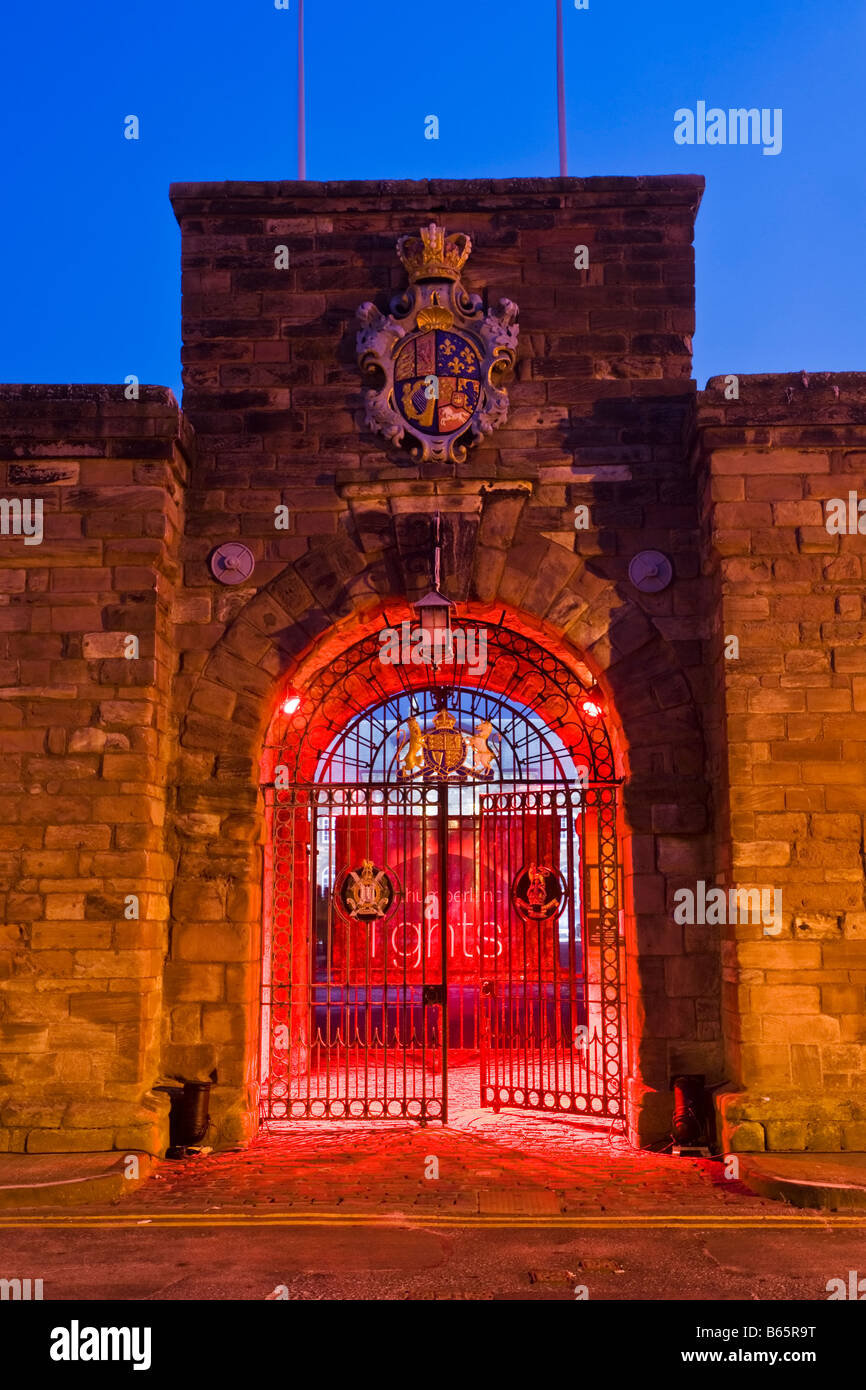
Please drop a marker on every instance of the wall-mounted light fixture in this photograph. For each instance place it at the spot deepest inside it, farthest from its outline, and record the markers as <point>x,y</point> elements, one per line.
<point>591,704</point>
<point>434,610</point>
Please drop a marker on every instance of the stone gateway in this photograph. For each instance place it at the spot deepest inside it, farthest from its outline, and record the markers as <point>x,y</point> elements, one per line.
<point>195,719</point>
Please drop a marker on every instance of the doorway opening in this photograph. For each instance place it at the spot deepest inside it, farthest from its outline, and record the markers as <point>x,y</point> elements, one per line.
<point>442,893</point>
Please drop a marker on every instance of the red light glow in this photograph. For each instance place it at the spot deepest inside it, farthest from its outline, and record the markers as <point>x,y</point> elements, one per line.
<point>591,709</point>
<point>291,703</point>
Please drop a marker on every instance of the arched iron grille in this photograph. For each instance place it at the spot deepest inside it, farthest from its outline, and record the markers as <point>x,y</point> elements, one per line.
<point>441,914</point>
<point>369,749</point>
<point>518,671</point>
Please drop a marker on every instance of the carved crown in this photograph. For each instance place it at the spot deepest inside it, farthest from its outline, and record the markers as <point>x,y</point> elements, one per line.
<point>434,256</point>
<point>444,719</point>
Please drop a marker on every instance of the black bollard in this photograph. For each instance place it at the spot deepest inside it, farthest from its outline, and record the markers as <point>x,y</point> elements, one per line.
<point>187,1116</point>
<point>689,1109</point>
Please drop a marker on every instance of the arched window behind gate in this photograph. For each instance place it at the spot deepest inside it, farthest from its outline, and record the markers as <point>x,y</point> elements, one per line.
<point>525,751</point>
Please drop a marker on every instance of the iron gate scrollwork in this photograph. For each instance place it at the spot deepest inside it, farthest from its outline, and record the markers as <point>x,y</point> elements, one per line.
<point>551,1033</point>
<point>355,1025</point>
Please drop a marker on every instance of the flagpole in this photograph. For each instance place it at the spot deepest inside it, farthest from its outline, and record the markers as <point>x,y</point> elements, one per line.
<point>302,153</point>
<point>560,92</point>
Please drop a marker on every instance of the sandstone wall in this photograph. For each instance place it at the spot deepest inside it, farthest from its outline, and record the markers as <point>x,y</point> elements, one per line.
<point>790,750</point>
<point>87,740</point>
<point>143,776</point>
<point>599,414</point>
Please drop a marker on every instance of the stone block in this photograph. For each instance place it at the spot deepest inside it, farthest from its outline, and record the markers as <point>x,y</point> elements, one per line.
<point>118,965</point>
<point>692,975</point>
<point>195,1062</point>
<point>785,1136</point>
<point>197,901</point>
<point>746,1137</point>
<point>43,1006</point>
<point>649,1112</point>
<point>24,1037</point>
<point>682,856</point>
<point>42,1113</point>
<point>149,1138</point>
<point>99,646</point>
<point>221,1025</point>
<point>200,983</point>
<point>244,903</point>
<point>774,953</point>
<point>823,1136</point>
<point>94,1114</point>
<point>78,836</point>
<point>198,825</point>
<point>785,999</point>
<point>767,854</point>
<point>681,817</point>
<point>237,1126</point>
<point>60,1141</point>
<point>847,1058</point>
<point>818,926</point>
<point>241,984</point>
<point>60,906</point>
<point>107,1008</point>
<point>782,461</point>
<point>766,1064</point>
<point>854,1136</point>
<point>806,1065</point>
<point>186,1023</point>
<point>843,999</point>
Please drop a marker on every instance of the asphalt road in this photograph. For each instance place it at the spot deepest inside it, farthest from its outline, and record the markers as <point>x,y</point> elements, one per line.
<point>260,1257</point>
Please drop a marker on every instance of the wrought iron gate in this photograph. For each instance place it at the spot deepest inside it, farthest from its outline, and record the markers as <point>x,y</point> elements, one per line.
<point>551,1026</point>
<point>446,885</point>
<point>357,995</point>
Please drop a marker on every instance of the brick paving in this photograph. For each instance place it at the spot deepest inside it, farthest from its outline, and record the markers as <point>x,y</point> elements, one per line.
<point>509,1164</point>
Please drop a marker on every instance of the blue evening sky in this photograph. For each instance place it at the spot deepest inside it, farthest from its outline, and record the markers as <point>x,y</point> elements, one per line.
<point>90,248</point>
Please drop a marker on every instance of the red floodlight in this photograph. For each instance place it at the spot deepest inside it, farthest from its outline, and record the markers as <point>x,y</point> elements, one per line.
<point>291,703</point>
<point>591,704</point>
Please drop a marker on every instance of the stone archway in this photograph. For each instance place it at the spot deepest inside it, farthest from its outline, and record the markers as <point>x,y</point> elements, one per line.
<point>302,619</point>
<point>337,790</point>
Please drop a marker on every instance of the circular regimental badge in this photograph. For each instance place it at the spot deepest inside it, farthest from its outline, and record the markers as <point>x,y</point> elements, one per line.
<point>538,893</point>
<point>366,893</point>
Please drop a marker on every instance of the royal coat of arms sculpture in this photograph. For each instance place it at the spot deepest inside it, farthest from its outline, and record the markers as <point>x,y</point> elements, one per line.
<point>438,358</point>
<point>446,751</point>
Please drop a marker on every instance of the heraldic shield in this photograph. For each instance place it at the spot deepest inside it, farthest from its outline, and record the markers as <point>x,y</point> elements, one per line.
<point>444,746</point>
<point>446,751</point>
<point>439,361</point>
<point>455,363</point>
